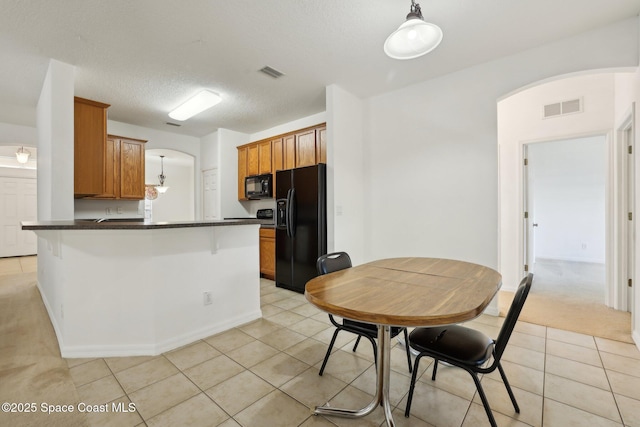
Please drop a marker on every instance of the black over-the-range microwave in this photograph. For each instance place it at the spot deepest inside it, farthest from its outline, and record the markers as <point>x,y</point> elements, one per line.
<point>258,186</point>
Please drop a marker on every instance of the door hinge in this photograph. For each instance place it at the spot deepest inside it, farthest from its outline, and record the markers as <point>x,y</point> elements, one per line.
<point>526,161</point>
<point>630,283</point>
<point>526,215</point>
<point>526,267</point>
<point>630,216</point>
<point>630,149</point>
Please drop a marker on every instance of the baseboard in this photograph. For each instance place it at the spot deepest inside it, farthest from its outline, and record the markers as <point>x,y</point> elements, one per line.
<point>52,317</point>
<point>568,259</point>
<point>85,351</point>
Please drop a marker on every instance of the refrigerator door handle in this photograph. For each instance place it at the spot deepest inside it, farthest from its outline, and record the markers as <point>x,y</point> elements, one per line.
<point>291,212</point>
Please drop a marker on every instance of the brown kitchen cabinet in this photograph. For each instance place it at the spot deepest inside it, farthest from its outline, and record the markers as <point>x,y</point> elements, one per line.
<point>89,145</point>
<point>124,169</point>
<point>242,171</point>
<point>268,253</point>
<point>304,147</point>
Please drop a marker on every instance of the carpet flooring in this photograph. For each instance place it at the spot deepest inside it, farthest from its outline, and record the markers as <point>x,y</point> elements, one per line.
<point>570,296</point>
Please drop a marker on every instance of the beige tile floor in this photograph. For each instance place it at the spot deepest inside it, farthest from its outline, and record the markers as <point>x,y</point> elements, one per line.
<point>266,374</point>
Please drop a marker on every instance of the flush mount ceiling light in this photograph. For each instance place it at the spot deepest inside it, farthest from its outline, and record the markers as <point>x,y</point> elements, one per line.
<point>22,155</point>
<point>195,105</point>
<point>161,188</point>
<point>414,37</point>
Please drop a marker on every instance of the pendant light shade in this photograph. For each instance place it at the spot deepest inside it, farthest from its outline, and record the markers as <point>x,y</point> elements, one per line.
<point>414,37</point>
<point>22,155</point>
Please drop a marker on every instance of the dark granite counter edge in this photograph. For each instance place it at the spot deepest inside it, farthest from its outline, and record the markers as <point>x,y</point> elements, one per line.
<point>135,225</point>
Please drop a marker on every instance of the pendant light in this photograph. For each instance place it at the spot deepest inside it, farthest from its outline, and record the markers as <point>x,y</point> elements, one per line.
<point>161,188</point>
<point>22,155</point>
<point>414,37</point>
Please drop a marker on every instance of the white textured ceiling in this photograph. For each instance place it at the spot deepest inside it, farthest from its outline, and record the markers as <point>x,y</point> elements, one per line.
<point>145,57</point>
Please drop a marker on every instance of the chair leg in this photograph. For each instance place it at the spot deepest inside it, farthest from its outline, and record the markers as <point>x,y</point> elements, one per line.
<point>326,357</point>
<point>506,383</point>
<point>408,348</point>
<point>357,342</point>
<point>435,369</point>
<point>483,397</point>
<point>407,409</point>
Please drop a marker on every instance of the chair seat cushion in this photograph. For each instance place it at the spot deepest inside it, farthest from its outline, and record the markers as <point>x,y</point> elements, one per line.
<point>453,342</point>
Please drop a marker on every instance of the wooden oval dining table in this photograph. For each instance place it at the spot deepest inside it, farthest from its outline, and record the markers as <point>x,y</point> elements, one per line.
<point>401,292</point>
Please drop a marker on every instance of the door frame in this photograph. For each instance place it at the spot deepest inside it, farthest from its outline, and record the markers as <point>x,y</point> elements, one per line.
<point>612,234</point>
<point>623,204</point>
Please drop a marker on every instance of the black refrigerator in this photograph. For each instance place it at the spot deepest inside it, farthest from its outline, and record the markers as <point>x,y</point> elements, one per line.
<point>301,224</point>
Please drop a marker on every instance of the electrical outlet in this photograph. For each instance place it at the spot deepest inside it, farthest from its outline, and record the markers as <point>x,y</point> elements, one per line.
<point>119,210</point>
<point>207,298</point>
<point>108,211</point>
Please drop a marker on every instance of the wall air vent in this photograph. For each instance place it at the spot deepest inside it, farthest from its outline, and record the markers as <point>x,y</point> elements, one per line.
<point>272,72</point>
<point>561,108</point>
<point>172,124</point>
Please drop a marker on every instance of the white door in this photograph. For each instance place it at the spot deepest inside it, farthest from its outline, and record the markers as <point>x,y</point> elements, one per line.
<point>210,206</point>
<point>18,202</point>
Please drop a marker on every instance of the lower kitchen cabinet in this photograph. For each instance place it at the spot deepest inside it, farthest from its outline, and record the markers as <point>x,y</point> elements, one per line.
<point>268,253</point>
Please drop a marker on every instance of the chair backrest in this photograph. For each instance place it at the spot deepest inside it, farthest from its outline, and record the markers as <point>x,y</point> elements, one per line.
<point>512,316</point>
<point>333,262</point>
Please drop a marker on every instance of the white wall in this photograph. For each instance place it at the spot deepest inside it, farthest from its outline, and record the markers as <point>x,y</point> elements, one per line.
<point>346,157</point>
<point>178,203</point>
<point>566,184</point>
<point>55,143</point>
<point>228,140</point>
<point>434,180</point>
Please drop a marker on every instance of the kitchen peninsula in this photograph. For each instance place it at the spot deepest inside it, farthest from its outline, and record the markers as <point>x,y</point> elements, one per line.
<point>124,288</point>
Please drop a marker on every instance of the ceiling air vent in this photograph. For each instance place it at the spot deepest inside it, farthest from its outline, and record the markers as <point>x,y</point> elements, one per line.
<point>562,108</point>
<point>271,72</point>
<point>172,124</point>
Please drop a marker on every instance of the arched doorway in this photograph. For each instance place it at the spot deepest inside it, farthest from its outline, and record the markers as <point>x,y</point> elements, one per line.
<point>178,203</point>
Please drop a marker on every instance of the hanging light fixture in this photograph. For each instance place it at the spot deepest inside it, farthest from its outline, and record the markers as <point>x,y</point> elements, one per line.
<point>161,188</point>
<point>414,37</point>
<point>22,155</point>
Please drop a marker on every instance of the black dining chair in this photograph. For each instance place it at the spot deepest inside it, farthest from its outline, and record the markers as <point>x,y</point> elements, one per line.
<point>469,349</point>
<point>339,261</point>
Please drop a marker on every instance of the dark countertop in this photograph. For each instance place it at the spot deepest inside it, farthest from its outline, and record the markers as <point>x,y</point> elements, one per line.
<point>80,224</point>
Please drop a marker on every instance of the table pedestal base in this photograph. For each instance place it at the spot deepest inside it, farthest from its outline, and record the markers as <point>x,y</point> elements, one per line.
<point>382,384</point>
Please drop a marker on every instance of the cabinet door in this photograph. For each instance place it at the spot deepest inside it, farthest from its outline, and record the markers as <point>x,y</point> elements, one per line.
<point>277,155</point>
<point>306,148</point>
<point>253,160</point>
<point>268,253</point>
<point>111,169</point>
<point>321,145</point>
<point>131,169</point>
<point>264,157</point>
<point>242,171</point>
<point>289,158</point>
<point>90,134</point>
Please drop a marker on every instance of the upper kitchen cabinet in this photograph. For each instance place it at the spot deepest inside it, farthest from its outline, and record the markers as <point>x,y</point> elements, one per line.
<point>90,133</point>
<point>131,164</point>
<point>304,147</point>
<point>124,169</point>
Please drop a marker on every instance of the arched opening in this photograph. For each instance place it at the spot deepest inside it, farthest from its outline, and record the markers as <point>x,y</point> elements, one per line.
<point>178,202</point>
<point>534,118</point>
